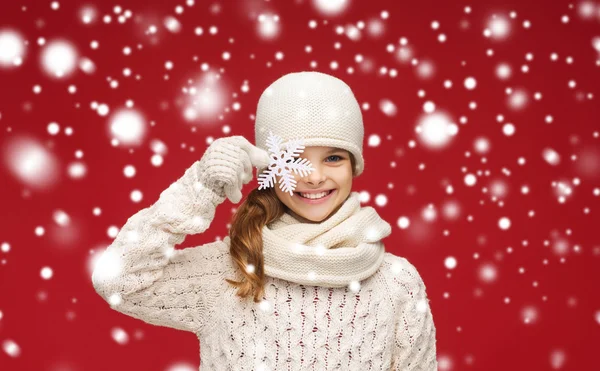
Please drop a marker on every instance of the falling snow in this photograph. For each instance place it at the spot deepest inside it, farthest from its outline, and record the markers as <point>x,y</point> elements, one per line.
<point>481,149</point>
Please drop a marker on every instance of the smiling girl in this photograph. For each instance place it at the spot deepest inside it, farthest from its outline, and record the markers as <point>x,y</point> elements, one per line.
<point>302,281</point>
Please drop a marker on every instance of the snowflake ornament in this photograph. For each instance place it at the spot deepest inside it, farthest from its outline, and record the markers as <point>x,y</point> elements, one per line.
<point>282,164</point>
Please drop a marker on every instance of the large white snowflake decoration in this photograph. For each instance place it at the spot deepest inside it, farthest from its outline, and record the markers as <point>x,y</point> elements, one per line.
<point>283,163</point>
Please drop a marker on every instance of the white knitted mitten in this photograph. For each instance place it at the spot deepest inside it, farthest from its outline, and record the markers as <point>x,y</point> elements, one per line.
<point>227,165</point>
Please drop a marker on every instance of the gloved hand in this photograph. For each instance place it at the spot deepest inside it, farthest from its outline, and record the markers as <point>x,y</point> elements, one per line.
<point>227,165</point>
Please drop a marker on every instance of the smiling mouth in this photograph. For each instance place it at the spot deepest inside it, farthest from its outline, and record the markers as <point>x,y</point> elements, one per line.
<point>328,193</point>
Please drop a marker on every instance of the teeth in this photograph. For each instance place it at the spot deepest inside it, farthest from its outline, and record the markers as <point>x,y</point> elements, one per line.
<point>314,195</point>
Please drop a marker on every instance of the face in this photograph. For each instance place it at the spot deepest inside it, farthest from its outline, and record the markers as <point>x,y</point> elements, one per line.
<point>332,171</point>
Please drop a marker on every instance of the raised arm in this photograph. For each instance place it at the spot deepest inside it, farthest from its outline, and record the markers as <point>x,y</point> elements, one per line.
<point>415,337</point>
<point>142,275</point>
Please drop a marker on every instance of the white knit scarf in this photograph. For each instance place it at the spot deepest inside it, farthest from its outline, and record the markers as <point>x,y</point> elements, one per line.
<point>344,248</point>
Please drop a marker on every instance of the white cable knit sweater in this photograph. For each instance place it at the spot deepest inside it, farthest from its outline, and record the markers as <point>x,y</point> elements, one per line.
<point>386,325</point>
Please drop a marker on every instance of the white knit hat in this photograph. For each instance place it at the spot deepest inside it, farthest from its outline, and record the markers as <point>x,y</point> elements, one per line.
<point>317,108</point>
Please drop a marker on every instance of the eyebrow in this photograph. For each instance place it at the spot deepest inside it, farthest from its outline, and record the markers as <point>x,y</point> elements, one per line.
<point>334,150</point>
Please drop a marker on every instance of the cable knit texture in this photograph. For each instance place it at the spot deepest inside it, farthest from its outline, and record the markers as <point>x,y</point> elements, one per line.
<point>343,249</point>
<point>385,323</point>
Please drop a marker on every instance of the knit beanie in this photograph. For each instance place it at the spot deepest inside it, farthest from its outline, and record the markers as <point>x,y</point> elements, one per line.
<point>317,108</point>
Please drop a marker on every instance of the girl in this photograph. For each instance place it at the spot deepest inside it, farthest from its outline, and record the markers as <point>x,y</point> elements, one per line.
<point>302,281</point>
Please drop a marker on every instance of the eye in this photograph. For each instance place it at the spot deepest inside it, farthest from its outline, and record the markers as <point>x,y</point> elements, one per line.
<point>340,157</point>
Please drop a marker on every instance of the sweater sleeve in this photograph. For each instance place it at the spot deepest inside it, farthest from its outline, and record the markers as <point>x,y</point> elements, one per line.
<point>141,274</point>
<point>415,335</point>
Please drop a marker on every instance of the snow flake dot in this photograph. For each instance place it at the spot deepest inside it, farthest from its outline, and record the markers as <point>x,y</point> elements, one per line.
<point>596,43</point>
<point>12,48</point>
<point>374,140</point>
<point>435,130</point>
<point>331,7</point>
<point>498,28</point>
<point>129,171</point>
<point>119,335</point>
<point>470,83</point>
<point>551,156</point>
<point>482,145</point>
<point>429,107</point>
<point>450,262</point>
<point>504,223</point>
<point>46,273</point>
<point>381,200</point>
<point>53,128</point>
<point>488,272</point>
<point>136,195</point>
<point>88,14</point>
<point>403,222</point>
<point>387,107</point>
<point>128,126</point>
<point>11,348</point>
<point>508,129</point>
<point>470,180</point>
<point>87,65</point>
<point>529,315</point>
<point>59,58</point>
<point>103,109</point>
<point>503,71</point>
<point>172,24</point>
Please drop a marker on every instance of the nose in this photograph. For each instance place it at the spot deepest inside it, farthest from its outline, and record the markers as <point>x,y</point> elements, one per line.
<point>315,177</point>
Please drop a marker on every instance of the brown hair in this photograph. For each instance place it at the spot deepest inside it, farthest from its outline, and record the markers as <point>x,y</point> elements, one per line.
<point>260,208</point>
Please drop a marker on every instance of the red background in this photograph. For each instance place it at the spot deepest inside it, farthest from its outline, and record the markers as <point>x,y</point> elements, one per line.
<point>62,324</point>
